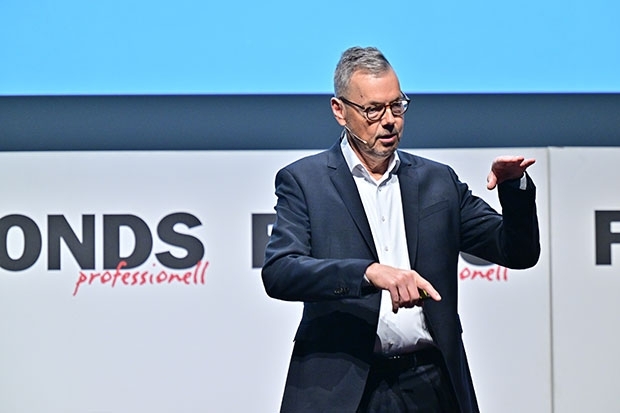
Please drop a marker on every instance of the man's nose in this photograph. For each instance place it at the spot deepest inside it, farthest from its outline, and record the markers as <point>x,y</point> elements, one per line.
<point>388,117</point>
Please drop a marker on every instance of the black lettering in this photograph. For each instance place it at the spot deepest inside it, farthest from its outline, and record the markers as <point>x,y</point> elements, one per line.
<point>84,252</point>
<point>604,237</point>
<point>111,241</point>
<point>193,246</point>
<point>32,242</point>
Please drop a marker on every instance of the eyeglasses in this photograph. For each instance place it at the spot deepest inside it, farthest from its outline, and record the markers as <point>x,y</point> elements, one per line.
<point>376,112</point>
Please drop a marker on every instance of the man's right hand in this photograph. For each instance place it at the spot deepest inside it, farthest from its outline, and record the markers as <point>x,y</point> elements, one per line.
<point>403,285</point>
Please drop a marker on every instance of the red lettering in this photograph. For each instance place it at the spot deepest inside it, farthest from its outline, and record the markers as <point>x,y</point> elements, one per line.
<point>187,276</point>
<point>204,270</point>
<point>497,273</point>
<point>79,282</point>
<point>196,272</point>
<point>125,278</point>
<point>465,273</point>
<point>93,275</point>
<point>195,276</point>
<point>118,271</point>
<point>105,279</point>
<point>178,277</point>
<point>161,277</point>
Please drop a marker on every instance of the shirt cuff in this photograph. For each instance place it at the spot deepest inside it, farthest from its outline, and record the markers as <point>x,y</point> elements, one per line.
<point>523,182</point>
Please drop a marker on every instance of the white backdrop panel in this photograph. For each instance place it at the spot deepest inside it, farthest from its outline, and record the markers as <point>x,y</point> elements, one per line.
<point>506,321</point>
<point>586,336</point>
<point>221,345</point>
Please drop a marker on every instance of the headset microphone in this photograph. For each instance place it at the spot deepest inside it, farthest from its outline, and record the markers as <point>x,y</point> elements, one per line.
<point>355,136</point>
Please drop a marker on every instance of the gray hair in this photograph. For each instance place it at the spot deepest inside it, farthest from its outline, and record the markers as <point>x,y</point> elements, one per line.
<point>366,59</point>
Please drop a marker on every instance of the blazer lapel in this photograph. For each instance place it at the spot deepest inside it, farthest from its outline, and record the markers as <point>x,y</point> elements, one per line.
<point>409,190</point>
<point>345,186</point>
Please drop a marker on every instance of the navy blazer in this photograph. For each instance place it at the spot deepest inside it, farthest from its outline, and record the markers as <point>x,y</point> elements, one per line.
<point>321,245</point>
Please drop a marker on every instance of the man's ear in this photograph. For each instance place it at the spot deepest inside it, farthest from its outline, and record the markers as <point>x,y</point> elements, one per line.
<point>338,110</point>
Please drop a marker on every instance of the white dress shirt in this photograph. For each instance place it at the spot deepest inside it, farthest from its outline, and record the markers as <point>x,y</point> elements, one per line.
<point>400,332</point>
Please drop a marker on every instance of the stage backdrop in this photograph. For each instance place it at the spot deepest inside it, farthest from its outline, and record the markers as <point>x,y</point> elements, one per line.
<point>130,282</point>
<point>585,234</point>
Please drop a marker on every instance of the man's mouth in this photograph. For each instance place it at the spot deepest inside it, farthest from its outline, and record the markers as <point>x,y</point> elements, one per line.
<point>388,138</point>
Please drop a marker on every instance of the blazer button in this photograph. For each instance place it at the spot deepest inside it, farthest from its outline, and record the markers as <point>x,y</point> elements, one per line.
<point>341,290</point>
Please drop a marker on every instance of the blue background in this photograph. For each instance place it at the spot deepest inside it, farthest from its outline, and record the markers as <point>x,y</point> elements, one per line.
<point>284,47</point>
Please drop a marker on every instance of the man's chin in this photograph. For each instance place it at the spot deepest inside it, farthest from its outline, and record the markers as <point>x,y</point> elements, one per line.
<point>388,146</point>
<point>385,152</point>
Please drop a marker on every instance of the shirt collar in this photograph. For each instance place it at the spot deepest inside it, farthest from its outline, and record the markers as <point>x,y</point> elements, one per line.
<point>355,164</point>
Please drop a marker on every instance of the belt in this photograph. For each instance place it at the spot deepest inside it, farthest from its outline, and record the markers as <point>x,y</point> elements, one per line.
<point>401,362</point>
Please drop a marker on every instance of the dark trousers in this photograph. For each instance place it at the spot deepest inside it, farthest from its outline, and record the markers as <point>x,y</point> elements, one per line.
<point>413,383</point>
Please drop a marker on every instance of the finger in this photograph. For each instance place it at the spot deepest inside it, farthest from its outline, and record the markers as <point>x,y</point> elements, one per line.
<point>491,181</point>
<point>423,296</point>
<point>507,159</point>
<point>408,295</point>
<point>428,289</point>
<point>395,299</point>
<point>526,163</point>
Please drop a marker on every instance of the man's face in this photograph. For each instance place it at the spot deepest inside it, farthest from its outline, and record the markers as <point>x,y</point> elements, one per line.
<point>382,136</point>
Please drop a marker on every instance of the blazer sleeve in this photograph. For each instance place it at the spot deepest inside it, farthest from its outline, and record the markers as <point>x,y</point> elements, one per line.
<point>511,239</point>
<point>291,270</point>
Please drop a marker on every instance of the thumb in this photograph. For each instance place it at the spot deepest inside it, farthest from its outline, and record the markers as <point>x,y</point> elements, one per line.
<point>491,181</point>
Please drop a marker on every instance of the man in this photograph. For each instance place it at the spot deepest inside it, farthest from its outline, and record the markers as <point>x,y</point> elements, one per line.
<point>368,238</point>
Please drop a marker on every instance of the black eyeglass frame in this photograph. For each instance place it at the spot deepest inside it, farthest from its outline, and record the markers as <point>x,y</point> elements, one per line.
<point>403,101</point>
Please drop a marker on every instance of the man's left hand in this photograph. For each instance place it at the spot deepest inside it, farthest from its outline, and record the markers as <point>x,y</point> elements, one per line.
<point>505,168</point>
